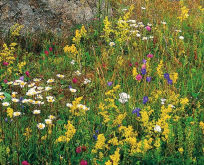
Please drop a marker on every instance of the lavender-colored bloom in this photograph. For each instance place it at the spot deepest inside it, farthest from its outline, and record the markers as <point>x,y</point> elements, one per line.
<point>22,106</point>
<point>6,119</point>
<point>144,61</point>
<point>148,79</point>
<point>170,81</point>
<point>109,84</point>
<point>119,125</point>
<point>95,137</point>
<point>166,75</point>
<point>143,71</point>
<point>11,120</point>
<point>22,78</point>
<point>137,110</point>
<point>145,99</point>
<point>97,131</point>
<point>70,86</point>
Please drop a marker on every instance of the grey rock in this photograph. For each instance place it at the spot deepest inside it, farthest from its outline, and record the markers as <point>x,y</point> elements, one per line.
<point>42,15</point>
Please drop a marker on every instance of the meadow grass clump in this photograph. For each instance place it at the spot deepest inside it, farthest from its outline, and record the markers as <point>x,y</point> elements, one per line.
<point>125,90</point>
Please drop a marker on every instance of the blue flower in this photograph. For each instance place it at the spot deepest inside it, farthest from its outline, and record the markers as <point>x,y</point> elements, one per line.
<point>95,137</point>
<point>6,119</point>
<point>143,71</point>
<point>166,76</point>
<point>145,99</point>
<point>109,83</point>
<point>70,86</point>
<point>148,79</point>
<point>170,81</point>
<point>97,131</point>
<point>144,61</point>
<point>137,110</point>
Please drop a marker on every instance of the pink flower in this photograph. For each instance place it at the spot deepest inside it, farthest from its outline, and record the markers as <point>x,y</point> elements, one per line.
<point>74,80</point>
<point>5,63</point>
<point>150,55</point>
<point>148,28</point>
<point>130,64</point>
<point>83,162</point>
<point>138,77</point>
<point>78,149</point>
<point>25,163</point>
<point>27,73</point>
<point>50,49</point>
<point>143,66</point>
<point>5,81</point>
<point>46,52</point>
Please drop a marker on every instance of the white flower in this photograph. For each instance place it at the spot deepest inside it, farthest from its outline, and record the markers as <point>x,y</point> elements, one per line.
<point>171,105</point>
<point>18,81</point>
<point>60,75</point>
<point>123,97</point>
<point>162,103</point>
<point>49,97</point>
<point>31,85</point>
<point>151,37</point>
<point>15,100</point>
<point>16,114</point>
<point>2,97</point>
<point>37,79</point>
<point>48,88</point>
<point>131,21</point>
<point>143,8</point>
<point>80,106</point>
<point>41,125</point>
<point>72,90</point>
<point>9,83</point>
<point>30,101</point>
<point>1,93</point>
<point>50,80</point>
<point>149,24</point>
<point>134,25</point>
<point>164,23</point>
<point>36,102</point>
<point>157,128</point>
<point>163,100</point>
<point>86,81</point>
<point>50,100</point>
<point>181,37</point>
<point>15,83</point>
<point>124,9</point>
<point>112,43</point>
<point>40,88</point>
<point>5,104</point>
<point>144,38</point>
<point>24,101</point>
<point>69,105</point>
<point>48,121</point>
<point>138,35</point>
<point>22,84</point>
<point>36,112</point>
<point>140,23</point>
<point>39,97</point>
<point>78,73</point>
<point>178,30</point>
<point>51,117</point>
<point>72,62</point>
<point>86,108</point>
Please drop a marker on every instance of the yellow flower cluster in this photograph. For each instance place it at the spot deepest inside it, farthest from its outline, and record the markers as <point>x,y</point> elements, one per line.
<point>78,34</point>
<point>184,101</point>
<point>74,109</point>
<point>70,49</point>
<point>134,73</point>
<point>116,157</point>
<point>15,29</point>
<point>174,77</point>
<point>21,65</point>
<point>7,54</point>
<point>118,120</point>
<point>114,141</point>
<point>100,144</point>
<point>69,134</point>
<point>10,112</point>
<point>107,29</point>
<point>27,133</point>
<point>159,71</point>
<point>184,13</point>
<point>201,125</point>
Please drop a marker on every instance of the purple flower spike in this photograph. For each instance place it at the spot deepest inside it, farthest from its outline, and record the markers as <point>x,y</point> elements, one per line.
<point>148,79</point>
<point>109,84</point>
<point>144,61</point>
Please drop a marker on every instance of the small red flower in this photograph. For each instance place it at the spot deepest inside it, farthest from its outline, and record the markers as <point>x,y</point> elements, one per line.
<point>130,64</point>
<point>25,163</point>
<point>78,149</point>
<point>5,81</point>
<point>5,63</point>
<point>27,73</point>
<point>74,80</point>
<point>46,52</point>
<point>50,49</point>
<point>15,55</point>
<point>103,65</point>
<point>83,162</point>
<point>136,64</point>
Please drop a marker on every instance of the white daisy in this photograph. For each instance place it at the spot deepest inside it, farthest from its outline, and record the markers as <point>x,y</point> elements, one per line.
<point>72,90</point>
<point>50,81</point>
<point>36,112</point>
<point>181,37</point>
<point>16,114</point>
<point>78,73</point>
<point>5,104</point>
<point>157,128</point>
<point>69,105</point>
<point>112,43</point>
<point>48,121</point>
<point>41,125</point>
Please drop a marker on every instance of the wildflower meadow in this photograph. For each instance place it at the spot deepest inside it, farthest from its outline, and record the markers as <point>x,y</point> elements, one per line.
<point>124,89</point>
